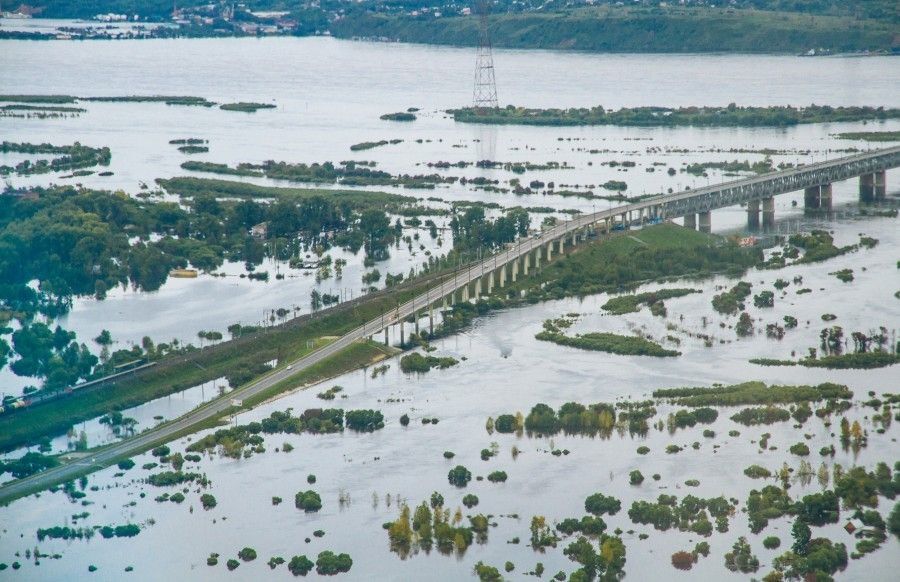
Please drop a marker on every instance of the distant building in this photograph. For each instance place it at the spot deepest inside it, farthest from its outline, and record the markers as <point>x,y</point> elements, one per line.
<point>260,231</point>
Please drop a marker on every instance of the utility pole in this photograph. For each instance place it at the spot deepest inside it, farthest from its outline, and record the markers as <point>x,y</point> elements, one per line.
<point>484,96</point>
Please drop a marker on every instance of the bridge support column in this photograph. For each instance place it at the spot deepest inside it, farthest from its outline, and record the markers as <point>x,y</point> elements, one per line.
<point>477,288</point>
<point>705,219</point>
<point>562,242</point>
<point>690,221</point>
<point>465,292</point>
<point>385,336</point>
<point>812,197</point>
<point>490,282</point>
<point>537,258</point>
<point>430,320</point>
<point>825,197</point>
<point>768,213</point>
<point>402,337</point>
<point>503,276</point>
<point>867,188</point>
<point>515,270</point>
<point>753,215</point>
<point>526,258</point>
<point>549,251</point>
<point>880,185</point>
<point>416,316</point>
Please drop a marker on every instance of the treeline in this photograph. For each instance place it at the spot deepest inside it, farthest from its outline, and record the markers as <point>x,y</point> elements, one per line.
<point>636,30</point>
<point>728,116</point>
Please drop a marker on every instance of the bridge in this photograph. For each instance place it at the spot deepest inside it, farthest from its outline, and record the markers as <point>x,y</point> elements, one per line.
<point>693,205</point>
<point>506,266</point>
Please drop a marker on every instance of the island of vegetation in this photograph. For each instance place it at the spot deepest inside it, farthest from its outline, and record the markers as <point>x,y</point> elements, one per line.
<point>728,116</point>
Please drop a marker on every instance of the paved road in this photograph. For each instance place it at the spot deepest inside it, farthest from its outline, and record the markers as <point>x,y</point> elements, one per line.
<point>449,284</point>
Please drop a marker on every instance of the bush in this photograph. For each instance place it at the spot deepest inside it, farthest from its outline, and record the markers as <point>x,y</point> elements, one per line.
<point>247,554</point>
<point>683,560</point>
<point>208,501</point>
<point>757,472</point>
<point>497,477</point>
<point>232,564</point>
<point>459,476</point>
<point>505,423</point>
<point>300,566</point>
<point>308,501</point>
<point>470,500</point>
<point>636,478</point>
<point>364,420</point>
<point>800,449</point>
<point>126,464</point>
<point>161,451</point>
<point>771,542</point>
<point>328,563</point>
<point>642,450</point>
<point>598,504</point>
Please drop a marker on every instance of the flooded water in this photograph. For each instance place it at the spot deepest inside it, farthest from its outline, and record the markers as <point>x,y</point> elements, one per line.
<point>329,96</point>
<point>506,370</point>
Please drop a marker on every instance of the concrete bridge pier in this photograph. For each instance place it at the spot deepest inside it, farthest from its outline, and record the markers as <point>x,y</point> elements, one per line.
<point>537,258</point>
<point>768,213</point>
<point>690,221</point>
<point>431,320</point>
<point>515,270</point>
<point>386,336</point>
<point>525,260</point>
<point>562,242</point>
<point>503,276</point>
<point>549,251</point>
<point>812,197</point>
<point>825,197</point>
<point>705,219</point>
<point>490,282</point>
<point>880,185</point>
<point>465,292</point>
<point>477,288</point>
<point>402,337</point>
<point>753,215</point>
<point>867,188</point>
<point>416,317</point>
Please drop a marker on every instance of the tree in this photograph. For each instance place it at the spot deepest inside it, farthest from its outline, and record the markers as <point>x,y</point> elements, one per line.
<point>300,566</point>
<point>104,339</point>
<point>459,476</point>
<point>802,535</point>
<point>376,229</point>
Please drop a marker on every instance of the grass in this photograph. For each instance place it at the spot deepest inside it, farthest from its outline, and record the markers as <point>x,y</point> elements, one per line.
<point>189,186</point>
<point>870,135</point>
<point>753,393</point>
<point>624,345</point>
<point>246,106</point>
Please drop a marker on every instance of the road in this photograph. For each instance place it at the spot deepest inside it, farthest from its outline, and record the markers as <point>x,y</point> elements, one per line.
<point>215,408</point>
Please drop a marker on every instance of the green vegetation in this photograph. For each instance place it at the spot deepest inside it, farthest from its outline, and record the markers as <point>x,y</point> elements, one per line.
<point>757,472</point>
<point>54,99</point>
<point>28,464</point>
<point>419,364</point>
<point>69,158</point>
<point>246,106</point>
<point>300,565</point>
<point>777,27</point>
<point>741,558</point>
<point>604,342</point>
<point>167,99</point>
<point>368,145</point>
<point>599,504</point>
<point>761,415</point>
<point>692,514</point>
<point>401,116</point>
<point>870,135</point>
<point>658,252</point>
<point>459,476</point>
<point>732,301</point>
<point>754,392</point>
<point>730,116</point>
<point>309,501</point>
<point>247,554</point>
<point>632,303</point>
<point>328,563</point>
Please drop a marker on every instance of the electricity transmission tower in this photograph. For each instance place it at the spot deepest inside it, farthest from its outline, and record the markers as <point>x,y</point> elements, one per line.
<point>485,94</point>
